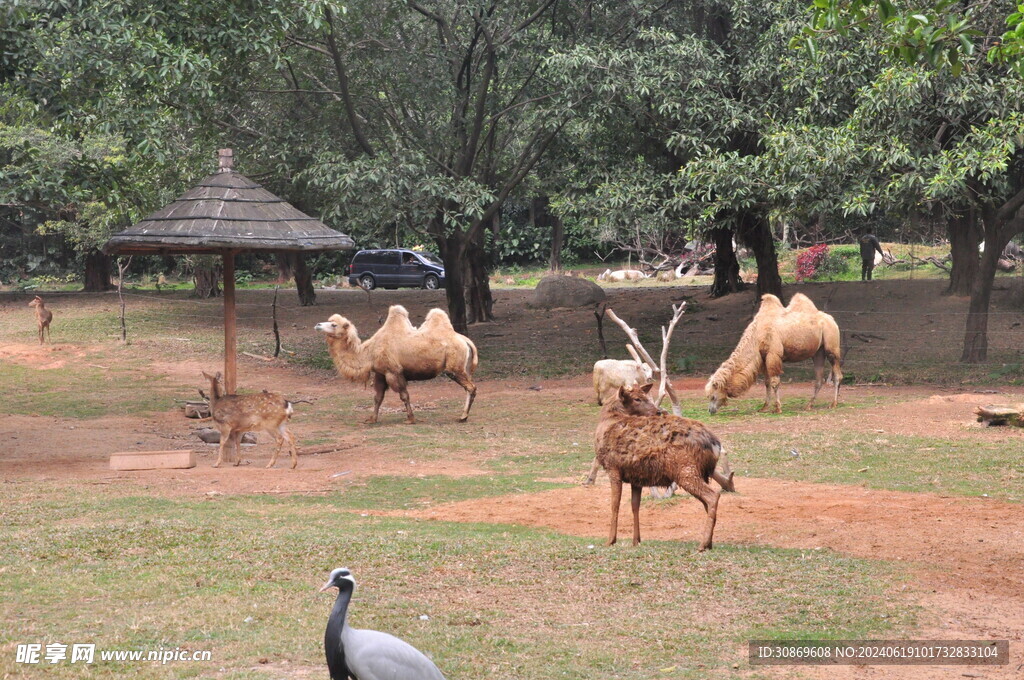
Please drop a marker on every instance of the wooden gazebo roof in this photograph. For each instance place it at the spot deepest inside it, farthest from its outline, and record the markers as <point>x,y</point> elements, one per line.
<point>227,211</point>
<point>225,214</point>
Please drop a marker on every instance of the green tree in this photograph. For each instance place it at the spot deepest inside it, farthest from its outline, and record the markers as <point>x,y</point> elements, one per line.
<point>944,140</point>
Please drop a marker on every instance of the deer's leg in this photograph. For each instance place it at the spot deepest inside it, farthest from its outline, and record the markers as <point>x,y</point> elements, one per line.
<point>634,502</point>
<point>380,387</point>
<point>236,444</point>
<point>224,436</point>
<point>616,482</point>
<point>49,338</point>
<point>723,473</point>
<point>708,497</point>
<point>278,433</point>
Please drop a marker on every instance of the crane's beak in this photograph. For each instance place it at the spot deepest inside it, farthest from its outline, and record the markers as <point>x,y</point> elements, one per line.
<point>326,586</point>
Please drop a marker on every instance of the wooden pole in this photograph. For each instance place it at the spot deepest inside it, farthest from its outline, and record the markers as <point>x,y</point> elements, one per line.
<point>230,332</point>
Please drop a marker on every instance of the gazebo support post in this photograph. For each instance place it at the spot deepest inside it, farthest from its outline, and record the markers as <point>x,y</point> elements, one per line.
<point>230,332</point>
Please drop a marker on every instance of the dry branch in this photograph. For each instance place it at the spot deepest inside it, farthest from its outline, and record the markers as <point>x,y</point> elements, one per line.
<point>659,371</point>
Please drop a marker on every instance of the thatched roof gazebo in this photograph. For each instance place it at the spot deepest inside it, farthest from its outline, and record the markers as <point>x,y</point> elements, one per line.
<point>225,214</point>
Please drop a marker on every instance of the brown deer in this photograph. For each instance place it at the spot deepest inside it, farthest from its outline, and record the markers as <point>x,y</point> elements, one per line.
<point>640,445</point>
<point>43,318</point>
<point>235,415</point>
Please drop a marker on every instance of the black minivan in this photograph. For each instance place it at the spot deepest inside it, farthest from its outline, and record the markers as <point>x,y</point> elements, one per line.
<point>394,268</point>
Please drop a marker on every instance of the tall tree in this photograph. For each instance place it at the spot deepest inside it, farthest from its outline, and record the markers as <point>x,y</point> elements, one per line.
<point>446,111</point>
<point>950,140</point>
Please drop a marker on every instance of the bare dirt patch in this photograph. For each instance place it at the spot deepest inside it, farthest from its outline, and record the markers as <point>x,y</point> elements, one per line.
<point>42,357</point>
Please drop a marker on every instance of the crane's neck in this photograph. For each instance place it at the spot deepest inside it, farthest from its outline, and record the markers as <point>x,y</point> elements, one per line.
<point>333,644</point>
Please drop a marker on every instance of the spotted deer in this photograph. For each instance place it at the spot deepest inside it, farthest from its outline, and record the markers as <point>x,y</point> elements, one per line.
<point>235,414</point>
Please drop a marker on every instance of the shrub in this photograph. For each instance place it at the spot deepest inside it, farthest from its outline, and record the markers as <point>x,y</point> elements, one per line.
<point>821,261</point>
<point>809,261</point>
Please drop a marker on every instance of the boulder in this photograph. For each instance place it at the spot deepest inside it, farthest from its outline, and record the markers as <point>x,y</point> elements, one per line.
<point>566,291</point>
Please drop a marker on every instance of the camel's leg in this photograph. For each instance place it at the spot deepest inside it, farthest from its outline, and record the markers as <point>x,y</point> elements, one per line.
<point>708,497</point>
<point>467,384</point>
<point>819,374</point>
<point>399,384</point>
<point>380,387</point>
<point>634,502</point>
<point>616,482</point>
<point>236,444</point>
<point>592,477</point>
<point>773,386</point>
<point>837,375</point>
<point>767,395</point>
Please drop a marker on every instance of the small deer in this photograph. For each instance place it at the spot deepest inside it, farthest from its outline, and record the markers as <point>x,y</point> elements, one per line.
<point>235,415</point>
<point>640,445</point>
<point>43,318</point>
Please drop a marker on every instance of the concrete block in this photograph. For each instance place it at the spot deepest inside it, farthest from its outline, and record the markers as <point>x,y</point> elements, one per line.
<point>152,460</point>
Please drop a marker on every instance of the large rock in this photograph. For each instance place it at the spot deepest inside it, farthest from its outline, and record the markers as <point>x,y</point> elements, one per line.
<point>566,291</point>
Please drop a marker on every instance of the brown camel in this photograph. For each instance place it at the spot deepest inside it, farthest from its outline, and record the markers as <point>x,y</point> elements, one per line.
<point>778,334</point>
<point>400,352</point>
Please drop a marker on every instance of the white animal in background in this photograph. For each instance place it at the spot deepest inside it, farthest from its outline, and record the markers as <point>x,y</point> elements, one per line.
<point>611,374</point>
<point>622,275</point>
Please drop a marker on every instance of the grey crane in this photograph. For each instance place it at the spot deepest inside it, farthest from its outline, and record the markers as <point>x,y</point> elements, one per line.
<point>368,654</point>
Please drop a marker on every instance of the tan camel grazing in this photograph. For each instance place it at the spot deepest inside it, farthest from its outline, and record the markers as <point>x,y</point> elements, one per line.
<point>400,352</point>
<point>778,334</point>
<point>641,445</point>
<point>236,414</point>
<point>43,318</point>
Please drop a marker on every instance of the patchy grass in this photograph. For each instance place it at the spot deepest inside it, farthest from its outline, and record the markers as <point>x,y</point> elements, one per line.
<point>129,572</point>
<point>883,461</point>
<point>84,392</point>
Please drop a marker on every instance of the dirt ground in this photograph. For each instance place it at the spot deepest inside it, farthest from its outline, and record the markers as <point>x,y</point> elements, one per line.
<point>964,556</point>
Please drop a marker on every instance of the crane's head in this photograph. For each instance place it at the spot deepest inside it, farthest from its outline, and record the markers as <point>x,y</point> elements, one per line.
<point>338,578</point>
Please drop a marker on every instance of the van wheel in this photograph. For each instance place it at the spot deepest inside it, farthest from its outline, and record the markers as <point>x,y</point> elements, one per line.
<point>366,282</point>
<point>430,282</point>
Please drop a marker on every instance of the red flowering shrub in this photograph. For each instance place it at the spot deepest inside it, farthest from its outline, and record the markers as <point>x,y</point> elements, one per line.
<point>810,261</point>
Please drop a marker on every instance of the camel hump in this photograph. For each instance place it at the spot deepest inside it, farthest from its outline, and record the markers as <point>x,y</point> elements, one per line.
<point>398,320</point>
<point>437,320</point>
<point>769,300</point>
<point>802,303</point>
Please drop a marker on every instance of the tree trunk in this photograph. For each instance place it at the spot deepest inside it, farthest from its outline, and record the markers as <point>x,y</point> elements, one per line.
<point>976,333</point>
<point>285,267</point>
<point>964,235</point>
<point>303,280</point>
<point>450,248</point>
<point>754,231</point>
<point>207,280</point>
<point>478,286</point>
<point>542,218</point>
<point>727,267</point>
<point>97,272</point>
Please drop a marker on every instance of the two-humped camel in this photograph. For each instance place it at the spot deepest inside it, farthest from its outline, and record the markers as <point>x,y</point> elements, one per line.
<point>778,334</point>
<point>399,352</point>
